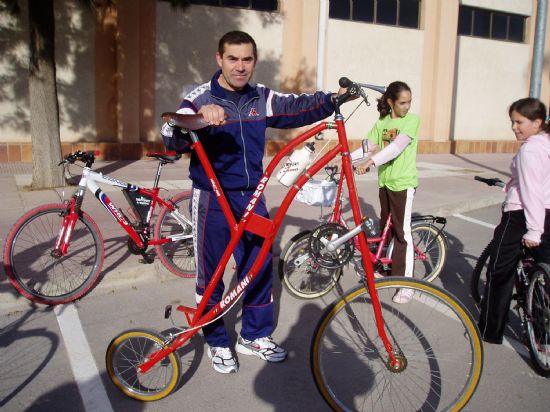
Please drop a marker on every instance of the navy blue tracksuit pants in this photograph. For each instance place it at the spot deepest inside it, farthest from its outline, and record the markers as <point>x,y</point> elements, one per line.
<point>212,235</point>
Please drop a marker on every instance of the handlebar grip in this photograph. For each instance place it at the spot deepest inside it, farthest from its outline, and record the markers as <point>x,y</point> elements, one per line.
<point>491,182</point>
<point>345,82</point>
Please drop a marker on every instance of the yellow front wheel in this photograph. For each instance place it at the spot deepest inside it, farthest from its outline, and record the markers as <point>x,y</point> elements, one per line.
<point>129,350</point>
<point>435,342</point>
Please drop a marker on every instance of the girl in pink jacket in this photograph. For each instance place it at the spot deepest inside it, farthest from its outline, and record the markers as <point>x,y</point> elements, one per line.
<point>525,215</point>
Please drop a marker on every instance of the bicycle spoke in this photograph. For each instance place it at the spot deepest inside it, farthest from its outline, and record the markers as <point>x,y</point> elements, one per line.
<point>443,362</point>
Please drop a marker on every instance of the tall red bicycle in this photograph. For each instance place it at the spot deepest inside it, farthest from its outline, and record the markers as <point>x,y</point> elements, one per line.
<point>366,352</point>
<point>306,276</point>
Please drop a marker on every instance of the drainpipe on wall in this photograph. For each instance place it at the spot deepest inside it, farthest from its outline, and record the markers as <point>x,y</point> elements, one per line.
<point>321,44</point>
<point>538,49</point>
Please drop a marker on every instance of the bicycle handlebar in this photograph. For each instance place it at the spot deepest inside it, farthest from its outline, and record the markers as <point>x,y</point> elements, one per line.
<point>355,89</point>
<point>495,181</point>
<point>87,157</point>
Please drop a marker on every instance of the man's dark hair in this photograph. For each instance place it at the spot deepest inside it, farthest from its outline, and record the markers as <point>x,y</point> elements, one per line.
<point>237,37</point>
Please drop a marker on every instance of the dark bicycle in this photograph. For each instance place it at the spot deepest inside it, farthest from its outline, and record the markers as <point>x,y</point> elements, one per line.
<point>532,296</point>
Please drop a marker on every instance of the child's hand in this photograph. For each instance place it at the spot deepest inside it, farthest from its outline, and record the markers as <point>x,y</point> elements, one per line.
<point>363,167</point>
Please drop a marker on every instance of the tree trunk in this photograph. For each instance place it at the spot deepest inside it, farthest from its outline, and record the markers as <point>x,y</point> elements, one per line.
<point>46,142</point>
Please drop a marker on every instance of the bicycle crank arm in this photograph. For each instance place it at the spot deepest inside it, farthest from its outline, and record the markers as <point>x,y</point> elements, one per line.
<point>333,245</point>
<point>181,237</point>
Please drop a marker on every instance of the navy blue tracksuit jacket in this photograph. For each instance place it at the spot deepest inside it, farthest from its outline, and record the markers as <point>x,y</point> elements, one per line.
<point>236,150</point>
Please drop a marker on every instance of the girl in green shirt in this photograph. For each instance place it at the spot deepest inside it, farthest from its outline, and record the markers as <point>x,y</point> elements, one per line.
<point>392,147</point>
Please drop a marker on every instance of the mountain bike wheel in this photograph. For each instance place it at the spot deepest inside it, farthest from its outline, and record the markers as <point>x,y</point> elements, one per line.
<point>538,318</point>
<point>430,251</point>
<point>302,276</point>
<point>479,274</point>
<point>177,256</point>
<point>36,272</point>
<point>129,350</point>
<point>433,335</point>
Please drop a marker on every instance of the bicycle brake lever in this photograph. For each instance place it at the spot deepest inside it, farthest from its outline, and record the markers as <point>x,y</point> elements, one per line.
<point>364,96</point>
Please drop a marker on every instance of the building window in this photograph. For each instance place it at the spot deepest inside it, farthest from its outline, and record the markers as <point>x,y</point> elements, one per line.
<point>402,13</point>
<point>491,24</point>
<point>261,5</point>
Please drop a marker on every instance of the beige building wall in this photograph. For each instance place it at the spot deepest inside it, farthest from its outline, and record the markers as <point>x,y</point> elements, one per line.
<point>374,54</point>
<point>482,97</point>
<point>74,39</point>
<point>117,72</point>
<point>186,45</point>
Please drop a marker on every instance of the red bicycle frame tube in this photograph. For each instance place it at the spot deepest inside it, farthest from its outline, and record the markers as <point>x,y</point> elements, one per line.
<point>268,229</point>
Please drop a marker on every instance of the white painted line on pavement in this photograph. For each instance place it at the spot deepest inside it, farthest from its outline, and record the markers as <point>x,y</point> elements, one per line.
<point>476,221</point>
<point>83,365</point>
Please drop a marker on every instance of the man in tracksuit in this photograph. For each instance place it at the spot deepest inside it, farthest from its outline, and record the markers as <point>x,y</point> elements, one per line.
<point>239,113</point>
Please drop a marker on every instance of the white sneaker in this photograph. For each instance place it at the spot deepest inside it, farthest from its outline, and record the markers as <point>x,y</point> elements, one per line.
<point>403,295</point>
<point>223,360</point>
<point>264,348</point>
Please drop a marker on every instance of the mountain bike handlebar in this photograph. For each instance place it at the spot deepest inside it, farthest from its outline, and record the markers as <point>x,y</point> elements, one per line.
<point>355,89</point>
<point>87,157</point>
<point>495,181</point>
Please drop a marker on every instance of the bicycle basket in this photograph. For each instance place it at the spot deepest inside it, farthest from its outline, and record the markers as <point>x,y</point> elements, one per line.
<point>317,193</point>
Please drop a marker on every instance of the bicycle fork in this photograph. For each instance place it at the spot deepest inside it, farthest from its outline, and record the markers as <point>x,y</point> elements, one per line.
<point>67,226</point>
<point>396,360</point>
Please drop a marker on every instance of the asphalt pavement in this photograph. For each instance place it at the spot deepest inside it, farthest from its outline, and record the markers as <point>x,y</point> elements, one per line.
<point>39,343</point>
<point>446,187</point>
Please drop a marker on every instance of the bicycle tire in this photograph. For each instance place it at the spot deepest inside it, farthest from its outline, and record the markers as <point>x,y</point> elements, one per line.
<point>431,242</point>
<point>538,318</point>
<point>479,274</point>
<point>435,333</point>
<point>308,279</point>
<point>42,277</point>
<point>178,256</point>
<point>130,349</point>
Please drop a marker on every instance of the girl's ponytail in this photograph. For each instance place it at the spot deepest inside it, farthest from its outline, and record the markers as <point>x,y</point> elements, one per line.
<point>392,92</point>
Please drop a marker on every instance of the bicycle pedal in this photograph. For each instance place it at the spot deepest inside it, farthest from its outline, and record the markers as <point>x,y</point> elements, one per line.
<point>146,259</point>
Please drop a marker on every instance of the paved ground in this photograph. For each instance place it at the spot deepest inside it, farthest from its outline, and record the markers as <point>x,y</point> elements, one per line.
<point>446,187</point>
<point>123,301</point>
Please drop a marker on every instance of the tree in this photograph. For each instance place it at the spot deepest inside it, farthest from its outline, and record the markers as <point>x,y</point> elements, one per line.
<point>46,142</point>
<point>44,105</point>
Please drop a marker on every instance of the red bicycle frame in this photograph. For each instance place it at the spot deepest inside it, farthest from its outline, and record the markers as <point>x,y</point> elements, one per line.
<point>266,228</point>
<point>336,217</point>
<point>73,210</point>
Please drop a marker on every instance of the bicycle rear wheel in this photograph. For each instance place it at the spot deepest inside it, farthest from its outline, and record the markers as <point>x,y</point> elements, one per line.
<point>177,256</point>
<point>430,251</point>
<point>538,318</point>
<point>479,274</point>
<point>129,350</point>
<point>433,335</point>
<point>37,272</point>
<point>301,275</point>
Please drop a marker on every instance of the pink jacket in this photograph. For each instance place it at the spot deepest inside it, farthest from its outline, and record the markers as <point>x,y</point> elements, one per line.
<point>529,187</point>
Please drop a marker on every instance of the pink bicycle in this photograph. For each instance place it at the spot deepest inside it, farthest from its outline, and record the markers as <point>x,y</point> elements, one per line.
<point>367,351</point>
<point>306,276</point>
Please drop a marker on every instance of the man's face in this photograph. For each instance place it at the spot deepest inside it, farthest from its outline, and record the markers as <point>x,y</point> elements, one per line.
<point>237,64</point>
